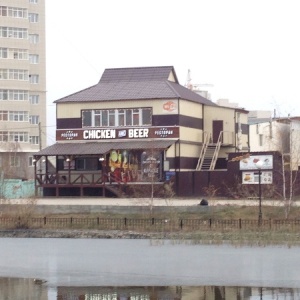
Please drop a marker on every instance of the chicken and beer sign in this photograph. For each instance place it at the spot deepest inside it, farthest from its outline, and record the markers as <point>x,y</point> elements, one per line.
<point>251,176</point>
<point>113,133</point>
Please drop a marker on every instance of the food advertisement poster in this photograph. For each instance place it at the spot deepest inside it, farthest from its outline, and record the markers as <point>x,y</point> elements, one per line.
<point>249,163</point>
<point>253,177</point>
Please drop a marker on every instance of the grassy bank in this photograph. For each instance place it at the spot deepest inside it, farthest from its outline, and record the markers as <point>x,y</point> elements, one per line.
<point>161,225</point>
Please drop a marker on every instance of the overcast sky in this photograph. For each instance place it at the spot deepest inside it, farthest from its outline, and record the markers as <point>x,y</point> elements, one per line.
<point>248,50</point>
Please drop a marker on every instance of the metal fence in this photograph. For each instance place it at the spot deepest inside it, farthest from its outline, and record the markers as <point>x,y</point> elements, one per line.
<point>152,224</point>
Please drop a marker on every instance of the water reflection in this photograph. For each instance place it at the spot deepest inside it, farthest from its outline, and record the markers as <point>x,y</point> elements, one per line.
<point>18,288</point>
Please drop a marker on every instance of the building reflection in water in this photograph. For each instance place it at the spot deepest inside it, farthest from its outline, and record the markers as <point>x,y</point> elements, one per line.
<point>28,289</point>
<point>176,293</point>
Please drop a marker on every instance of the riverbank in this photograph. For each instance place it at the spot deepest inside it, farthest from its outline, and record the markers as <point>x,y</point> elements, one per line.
<point>236,238</point>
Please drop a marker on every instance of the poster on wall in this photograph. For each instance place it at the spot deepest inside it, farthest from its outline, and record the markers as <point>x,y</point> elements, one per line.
<point>151,166</point>
<point>253,177</point>
<point>249,163</point>
<point>134,165</point>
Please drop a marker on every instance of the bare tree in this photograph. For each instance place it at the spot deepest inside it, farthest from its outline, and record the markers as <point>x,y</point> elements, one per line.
<point>285,139</point>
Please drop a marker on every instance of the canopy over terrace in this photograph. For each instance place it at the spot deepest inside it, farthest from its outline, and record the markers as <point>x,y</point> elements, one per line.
<point>100,148</point>
<point>68,171</point>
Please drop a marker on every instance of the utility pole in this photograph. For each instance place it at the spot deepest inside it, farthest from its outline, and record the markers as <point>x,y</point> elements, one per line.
<point>40,136</point>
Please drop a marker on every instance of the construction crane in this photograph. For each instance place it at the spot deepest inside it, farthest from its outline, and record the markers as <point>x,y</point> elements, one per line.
<point>192,86</point>
<point>197,87</point>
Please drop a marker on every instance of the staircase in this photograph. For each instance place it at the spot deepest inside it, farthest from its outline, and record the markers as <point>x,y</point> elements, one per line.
<point>209,153</point>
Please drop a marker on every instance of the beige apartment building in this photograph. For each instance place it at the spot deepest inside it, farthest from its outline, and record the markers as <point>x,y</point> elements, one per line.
<point>22,85</point>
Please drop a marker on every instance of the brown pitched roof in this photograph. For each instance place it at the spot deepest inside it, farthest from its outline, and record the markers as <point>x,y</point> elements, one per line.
<point>95,148</point>
<point>136,84</point>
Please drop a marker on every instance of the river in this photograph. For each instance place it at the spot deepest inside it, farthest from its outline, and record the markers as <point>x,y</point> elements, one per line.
<point>79,263</point>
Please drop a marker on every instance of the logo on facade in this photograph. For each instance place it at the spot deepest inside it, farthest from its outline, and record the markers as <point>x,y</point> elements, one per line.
<point>163,132</point>
<point>69,135</point>
<point>169,106</point>
<point>122,133</point>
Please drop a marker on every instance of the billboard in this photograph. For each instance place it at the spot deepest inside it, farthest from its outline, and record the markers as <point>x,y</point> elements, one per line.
<point>250,162</point>
<point>252,177</point>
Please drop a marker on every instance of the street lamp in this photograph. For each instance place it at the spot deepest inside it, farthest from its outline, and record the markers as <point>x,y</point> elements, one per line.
<point>259,165</point>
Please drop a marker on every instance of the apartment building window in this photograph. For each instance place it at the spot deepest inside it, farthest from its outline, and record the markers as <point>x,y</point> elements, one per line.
<point>18,116</point>
<point>34,79</point>
<point>18,54</point>
<point>3,136</point>
<point>13,32</point>
<point>13,74</point>
<point>34,38</point>
<point>30,161</point>
<point>117,117</point>
<point>33,1</point>
<point>34,140</point>
<point>33,18</point>
<point>34,99</point>
<point>14,95</point>
<point>33,58</point>
<point>14,12</point>
<point>18,137</point>
<point>34,120</point>
<point>14,160</point>
<point>3,115</point>
<point>3,53</point>
<point>261,139</point>
<point>18,95</point>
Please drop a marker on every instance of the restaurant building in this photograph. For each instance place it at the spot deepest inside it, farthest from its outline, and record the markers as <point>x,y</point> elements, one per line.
<point>136,127</point>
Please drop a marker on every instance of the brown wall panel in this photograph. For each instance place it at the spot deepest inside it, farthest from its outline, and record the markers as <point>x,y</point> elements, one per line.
<point>190,122</point>
<point>165,120</point>
<point>69,123</point>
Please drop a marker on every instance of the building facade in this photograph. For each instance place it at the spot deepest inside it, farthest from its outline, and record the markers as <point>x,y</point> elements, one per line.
<point>22,85</point>
<point>137,126</point>
<point>277,134</point>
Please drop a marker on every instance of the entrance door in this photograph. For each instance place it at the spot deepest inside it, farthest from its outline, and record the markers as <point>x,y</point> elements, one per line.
<point>217,128</point>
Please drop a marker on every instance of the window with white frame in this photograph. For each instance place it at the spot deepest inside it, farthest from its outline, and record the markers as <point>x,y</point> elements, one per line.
<point>33,1</point>
<point>33,18</point>
<point>34,140</point>
<point>13,74</point>
<point>30,161</point>
<point>34,120</point>
<point>18,116</point>
<point>3,136</point>
<point>3,74</point>
<point>117,117</point>
<point>13,95</point>
<point>34,38</point>
<point>3,115</point>
<point>34,99</point>
<point>34,79</point>
<point>18,54</point>
<point>14,12</point>
<point>18,137</point>
<point>3,52</point>
<point>14,160</point>
<point>13,32</point>
<point>33,58</point>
